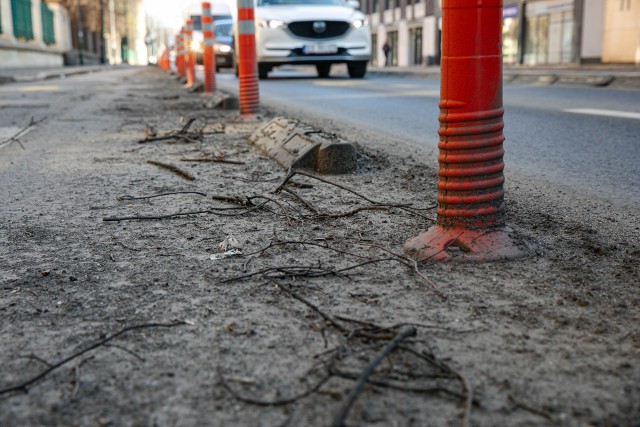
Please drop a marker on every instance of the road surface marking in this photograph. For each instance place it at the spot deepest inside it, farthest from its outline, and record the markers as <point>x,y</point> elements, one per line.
<point>340,83</point>
<point>405,86</point>
<point>608,113</point>
<point>31,89</point>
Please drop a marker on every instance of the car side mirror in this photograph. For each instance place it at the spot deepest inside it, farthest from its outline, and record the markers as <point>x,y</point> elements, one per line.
<point>354,4</point>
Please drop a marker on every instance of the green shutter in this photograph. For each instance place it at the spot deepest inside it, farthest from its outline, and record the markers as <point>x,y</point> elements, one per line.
<point>48,33</point>
<point>22,25</point>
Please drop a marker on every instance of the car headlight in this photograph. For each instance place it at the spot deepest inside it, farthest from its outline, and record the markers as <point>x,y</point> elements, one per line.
<point>359,23</point>
<point>270,23</point>
<point>195,45</point>
<point>223,48</point>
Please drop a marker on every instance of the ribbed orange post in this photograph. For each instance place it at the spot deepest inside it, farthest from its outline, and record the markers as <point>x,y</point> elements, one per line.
<point>163,62</point>
<point>180,52</point>
<point>247,67</point>
<point>470,224</point>
<point>208,55</point>
<point>190,55</point>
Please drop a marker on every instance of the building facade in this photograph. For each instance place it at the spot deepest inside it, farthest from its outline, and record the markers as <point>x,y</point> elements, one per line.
<point>33,33</point>
<point>535,32</point>
<point>51,33</point>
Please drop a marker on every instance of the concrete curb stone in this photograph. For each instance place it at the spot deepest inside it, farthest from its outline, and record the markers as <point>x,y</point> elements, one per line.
<point>34,75</point>
<point>619,77</point>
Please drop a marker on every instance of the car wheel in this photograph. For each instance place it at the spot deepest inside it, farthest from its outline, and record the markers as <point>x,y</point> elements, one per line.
<point>357,69</point>
<point>263,71</point>
<point>323,70</point>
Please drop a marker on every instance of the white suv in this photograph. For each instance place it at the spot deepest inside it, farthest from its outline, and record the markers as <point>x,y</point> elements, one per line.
<point>312,32</point>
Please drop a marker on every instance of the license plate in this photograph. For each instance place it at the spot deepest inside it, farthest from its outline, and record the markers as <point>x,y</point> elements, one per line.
<point>319,49</point>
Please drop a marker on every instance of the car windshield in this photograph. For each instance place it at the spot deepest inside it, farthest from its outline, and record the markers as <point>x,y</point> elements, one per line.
<point>301,2</point>
<point>223,29</point>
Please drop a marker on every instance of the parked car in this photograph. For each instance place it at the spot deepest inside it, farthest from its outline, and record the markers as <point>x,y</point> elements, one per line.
<point>312,32</point>
<point>223,46</point>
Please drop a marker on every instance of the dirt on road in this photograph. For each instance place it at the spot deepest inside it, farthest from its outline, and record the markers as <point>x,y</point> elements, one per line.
<point>119,305</point>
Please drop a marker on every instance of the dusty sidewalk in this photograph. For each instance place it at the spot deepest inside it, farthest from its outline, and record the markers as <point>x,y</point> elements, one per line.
<point>292,323</point>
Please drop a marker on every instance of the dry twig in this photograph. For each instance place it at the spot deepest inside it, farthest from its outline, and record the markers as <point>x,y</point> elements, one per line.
<point>160,195</point>
<point>182,134</point>
<point>22,132</point>
<point>278,402</point>
<point>410,263</point>
<point>341,416</point>
<point>212,160</point>
<point>173,169</point>
<point>314,307</point>
<point>24,385</point>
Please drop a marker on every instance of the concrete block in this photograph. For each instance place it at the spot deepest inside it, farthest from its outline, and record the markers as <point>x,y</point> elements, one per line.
<point>300,146</point>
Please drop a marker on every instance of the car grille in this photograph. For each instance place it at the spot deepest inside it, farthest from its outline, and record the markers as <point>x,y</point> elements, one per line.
<point>306,29</point>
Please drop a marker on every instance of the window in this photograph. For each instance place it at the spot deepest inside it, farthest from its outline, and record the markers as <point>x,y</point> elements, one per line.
<point>374,49</point>
<point>48,33</point>
<point>22,24</point>
<point>392,39</point>
<point>415,38</point>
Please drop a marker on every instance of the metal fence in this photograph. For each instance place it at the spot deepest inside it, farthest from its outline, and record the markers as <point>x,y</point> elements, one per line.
<point>22,22</point>
<point>48,33</point>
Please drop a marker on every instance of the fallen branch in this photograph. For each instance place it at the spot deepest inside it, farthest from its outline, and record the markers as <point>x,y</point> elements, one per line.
<point>22,132</point>
<point>212,160</point>
<point>312,306</point>
<point>433,389</point>
<point>299,198</point>
<point>24,385</point>
<point>278,402</point>
<point>353,212</point>
<point>304,243</point>
<point>378,205</point>
<point>302,271</point>
<point>160,195</point>
<point>532,410</point>
<point>173,169</point>
<point>341,416</point>
<point>409,262</point>
<point>153,217</point>
<point>211,211</point>
<point>183,134</point>
<point>292,172</point>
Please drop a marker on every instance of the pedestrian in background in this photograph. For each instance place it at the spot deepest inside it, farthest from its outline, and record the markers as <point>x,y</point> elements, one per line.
<point>386,49</point>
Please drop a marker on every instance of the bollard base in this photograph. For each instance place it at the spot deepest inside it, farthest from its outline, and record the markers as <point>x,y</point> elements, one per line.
<point>464,245</point>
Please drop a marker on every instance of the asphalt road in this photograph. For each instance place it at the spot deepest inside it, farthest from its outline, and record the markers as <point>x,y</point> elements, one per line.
<point>587,139</point>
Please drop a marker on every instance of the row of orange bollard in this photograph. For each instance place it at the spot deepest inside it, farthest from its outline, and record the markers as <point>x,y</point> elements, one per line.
<point>208,51</point>
<point>185,58</point>
<point>470,224</point>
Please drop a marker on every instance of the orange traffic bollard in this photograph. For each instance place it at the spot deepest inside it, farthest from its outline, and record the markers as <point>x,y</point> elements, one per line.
<point>190,54</point>
<point>470,225</point>
<point>164,60</point>
<point>208,55</point>
<point>247,67</point>
<point>180,53</point>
